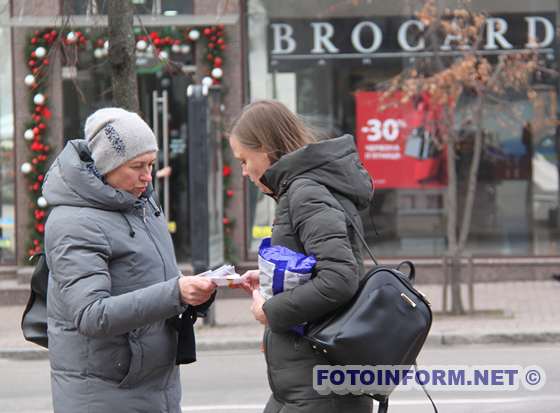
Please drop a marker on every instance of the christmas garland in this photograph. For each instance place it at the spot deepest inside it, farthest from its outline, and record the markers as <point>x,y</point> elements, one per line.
<point>37,53</point>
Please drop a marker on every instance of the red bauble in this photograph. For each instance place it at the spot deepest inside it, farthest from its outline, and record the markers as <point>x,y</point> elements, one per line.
<point>226,221</point>
<point>46,62</point>
<point>218,61</point>
<point>36,186</point>
<point>207,32</point>
<point>209,57</point>
<point>34,40</point>
<point>39,215</point>
<point>157,41</point>
<point>213,38</point>
<point>33,55</point>
<point>229,193</point>
<point>222,47</point>
<point>226,171</point>
<point>220,41</point>
<point>40,228</point>
<point>31,63</point>
<point>42,126</point>
<point>211,45</point>
<point>36,131</point>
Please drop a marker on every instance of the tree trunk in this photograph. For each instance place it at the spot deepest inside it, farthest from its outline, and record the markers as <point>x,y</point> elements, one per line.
<point>556,214</point>
<point>122,54</point>
<point>473,176</point>
<point>454,269</point>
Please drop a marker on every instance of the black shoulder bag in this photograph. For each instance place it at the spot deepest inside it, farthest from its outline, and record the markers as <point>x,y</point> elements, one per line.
<point>398,321</point>
<point>34,318</point>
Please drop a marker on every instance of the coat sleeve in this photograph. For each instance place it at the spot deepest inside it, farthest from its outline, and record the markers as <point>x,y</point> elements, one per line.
<point>78,253</point>
<point>320,225</point>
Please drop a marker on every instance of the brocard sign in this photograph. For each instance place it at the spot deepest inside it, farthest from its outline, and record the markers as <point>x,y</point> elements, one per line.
<point>294,43</point>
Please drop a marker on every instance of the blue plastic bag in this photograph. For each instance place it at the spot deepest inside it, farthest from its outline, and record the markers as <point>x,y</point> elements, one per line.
<point>281,269</point>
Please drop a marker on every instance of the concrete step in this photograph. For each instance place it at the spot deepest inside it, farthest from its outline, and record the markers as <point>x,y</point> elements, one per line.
<point>24,274</point>
<point>13,293</point>
<point>8,272</point>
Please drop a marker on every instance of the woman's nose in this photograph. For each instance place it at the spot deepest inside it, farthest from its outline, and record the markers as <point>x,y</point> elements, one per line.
<point>146,177</point>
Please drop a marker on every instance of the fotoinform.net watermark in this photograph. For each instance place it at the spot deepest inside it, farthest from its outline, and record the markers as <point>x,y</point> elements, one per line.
<point>383,379</point>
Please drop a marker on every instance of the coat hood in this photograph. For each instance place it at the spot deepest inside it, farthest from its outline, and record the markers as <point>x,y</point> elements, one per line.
<point>72,181</point>
<point>333,163</point>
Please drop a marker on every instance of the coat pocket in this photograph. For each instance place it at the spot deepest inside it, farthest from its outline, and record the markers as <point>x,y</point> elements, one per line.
<point>135,364</point>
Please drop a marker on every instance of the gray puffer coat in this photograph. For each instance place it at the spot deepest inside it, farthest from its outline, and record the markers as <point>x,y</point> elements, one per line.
<point>309,219</point>
<point>113,283</point>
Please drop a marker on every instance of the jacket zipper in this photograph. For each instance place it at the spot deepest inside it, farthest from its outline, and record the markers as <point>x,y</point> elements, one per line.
<point>266,340</point>
<point>145,221</point>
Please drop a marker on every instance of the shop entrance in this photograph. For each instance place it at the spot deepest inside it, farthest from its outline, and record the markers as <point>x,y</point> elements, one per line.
<point>90,90</point>
<point>163,104</point>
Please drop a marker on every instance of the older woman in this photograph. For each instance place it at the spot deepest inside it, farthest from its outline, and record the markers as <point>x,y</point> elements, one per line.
<point>114,286</point>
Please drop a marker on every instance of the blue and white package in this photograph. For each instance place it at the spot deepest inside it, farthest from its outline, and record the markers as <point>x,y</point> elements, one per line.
<point>281,269</point>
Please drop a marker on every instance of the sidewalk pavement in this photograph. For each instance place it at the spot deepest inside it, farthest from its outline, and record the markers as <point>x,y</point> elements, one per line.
<point>506,312</point>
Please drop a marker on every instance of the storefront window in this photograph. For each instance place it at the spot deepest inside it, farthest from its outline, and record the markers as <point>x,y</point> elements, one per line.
<point>7,178</point>
<point>163,7</point>
<point>331,62</point>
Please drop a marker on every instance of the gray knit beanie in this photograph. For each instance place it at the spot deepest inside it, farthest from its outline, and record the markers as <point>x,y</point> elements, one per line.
<point>115,136</point>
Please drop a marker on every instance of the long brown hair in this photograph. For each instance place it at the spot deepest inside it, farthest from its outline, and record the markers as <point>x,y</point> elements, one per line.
<point>269,126</point>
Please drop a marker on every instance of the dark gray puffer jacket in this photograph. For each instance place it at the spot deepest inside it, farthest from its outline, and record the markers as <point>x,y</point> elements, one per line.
<point>113,283</point>
<point>310,219</point>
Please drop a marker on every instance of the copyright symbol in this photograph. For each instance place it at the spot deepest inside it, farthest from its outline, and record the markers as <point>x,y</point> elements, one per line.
<point>534,378</point>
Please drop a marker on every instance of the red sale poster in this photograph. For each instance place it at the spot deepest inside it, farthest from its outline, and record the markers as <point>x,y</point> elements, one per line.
<point>397,141</point>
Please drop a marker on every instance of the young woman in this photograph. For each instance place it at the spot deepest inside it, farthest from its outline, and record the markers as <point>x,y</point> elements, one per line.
<point>114,286</point>
<point>309,181</point>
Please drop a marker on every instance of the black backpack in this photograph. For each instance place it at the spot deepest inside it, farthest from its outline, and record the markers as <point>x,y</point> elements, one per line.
<point>385,323</point>
<point>34,318</point>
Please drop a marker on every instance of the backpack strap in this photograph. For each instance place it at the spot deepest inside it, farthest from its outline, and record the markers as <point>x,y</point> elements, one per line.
<point>426,391</point>
<point>356,229</point>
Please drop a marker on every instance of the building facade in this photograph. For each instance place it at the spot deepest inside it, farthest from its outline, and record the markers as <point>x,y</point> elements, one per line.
<point>330,61</point>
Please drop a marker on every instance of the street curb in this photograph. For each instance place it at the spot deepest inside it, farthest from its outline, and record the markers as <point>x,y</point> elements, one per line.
<point>434,340</point>
<point>24,353</point>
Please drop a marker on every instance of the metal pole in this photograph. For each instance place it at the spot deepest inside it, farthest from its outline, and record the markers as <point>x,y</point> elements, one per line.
<point>155,127</point>
<point>165,127</point>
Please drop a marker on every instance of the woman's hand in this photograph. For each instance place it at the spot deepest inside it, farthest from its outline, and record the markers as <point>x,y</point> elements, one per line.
<point>249,281</point>
<point>195,290</point>
<point>257,307</point>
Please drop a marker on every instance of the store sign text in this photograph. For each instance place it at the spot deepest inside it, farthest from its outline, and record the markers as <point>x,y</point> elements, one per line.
<point>350,38</point>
